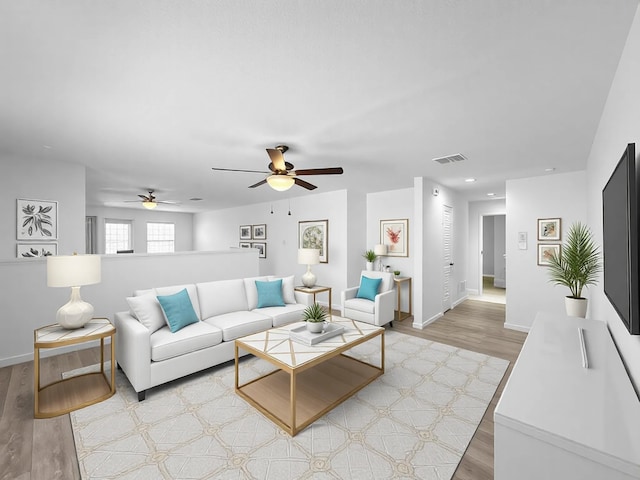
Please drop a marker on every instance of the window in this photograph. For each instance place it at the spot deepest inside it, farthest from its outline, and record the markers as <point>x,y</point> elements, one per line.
<point>160,237</point>
<point>117,236</point>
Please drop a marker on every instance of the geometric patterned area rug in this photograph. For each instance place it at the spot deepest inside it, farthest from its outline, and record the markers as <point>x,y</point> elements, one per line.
<point>415,421</point>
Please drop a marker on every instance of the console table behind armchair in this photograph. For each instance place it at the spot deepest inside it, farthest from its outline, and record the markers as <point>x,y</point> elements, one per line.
<point>379,311</point>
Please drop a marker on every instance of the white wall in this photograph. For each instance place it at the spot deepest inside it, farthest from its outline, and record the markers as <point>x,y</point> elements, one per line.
<point>619,125</point>
<point>139,218</point>
<point>488,226</point>
<point>28,303</point>
<point>220,229</point>
<point>474,264</point>
<point>428,261</point>
<point>42,179</point>
<point>528,199</point>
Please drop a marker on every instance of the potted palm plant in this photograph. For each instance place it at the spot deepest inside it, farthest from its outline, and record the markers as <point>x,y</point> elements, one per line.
<point>575,267</point>
<point>370,256</point>
<point>315,316</point>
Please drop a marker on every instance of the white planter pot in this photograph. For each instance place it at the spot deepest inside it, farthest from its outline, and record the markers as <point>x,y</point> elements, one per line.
<point>315,327</point>
<point>576,307</point>
<point>369,266</point>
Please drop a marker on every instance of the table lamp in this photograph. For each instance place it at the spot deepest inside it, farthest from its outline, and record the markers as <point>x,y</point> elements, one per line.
<point>380,250</point>
<point>73,271</point>
<point>308,257</point>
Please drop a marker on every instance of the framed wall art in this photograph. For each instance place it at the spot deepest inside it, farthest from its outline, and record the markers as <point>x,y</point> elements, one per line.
<point>259,232</point>
<point>549,229</point>
<point>395,235</point>
<point>546,251</point>
<point>245,232</point>
<point>36,220</point>
<point>34,250</point>
<point>315,234</point>
<point>262,249</point>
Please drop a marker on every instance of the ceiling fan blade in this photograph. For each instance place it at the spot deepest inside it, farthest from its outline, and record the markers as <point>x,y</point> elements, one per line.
<point>261,182</point>
<point>302,183</point>
<point>320,171</point>
<point>236,170</point>
<point>277,159</point>
<point>144,197</point>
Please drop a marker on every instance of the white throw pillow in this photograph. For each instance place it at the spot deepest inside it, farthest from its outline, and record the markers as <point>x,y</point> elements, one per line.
<point>148,311</point>
<point>287,290</point>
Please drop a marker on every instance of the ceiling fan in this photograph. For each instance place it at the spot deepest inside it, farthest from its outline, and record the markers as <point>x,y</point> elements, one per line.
<point>150,202</point>
<point>282,176</point>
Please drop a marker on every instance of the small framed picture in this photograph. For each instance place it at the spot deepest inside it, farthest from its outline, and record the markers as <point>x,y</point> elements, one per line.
<point>245,232</point>
<point>548,229</point>
<point>37,220</point>
<point>244,244</point>
<point>262,249</point>
<point>260,232</point>
<point>395,235</point>
<point>315,234</point>
<point>34,250</point>
<point>546,251</point>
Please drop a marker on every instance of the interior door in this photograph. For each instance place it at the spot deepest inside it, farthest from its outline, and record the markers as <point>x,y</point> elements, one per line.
<point>447,250</point>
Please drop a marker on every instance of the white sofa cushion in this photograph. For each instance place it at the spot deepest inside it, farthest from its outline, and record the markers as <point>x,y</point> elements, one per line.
<point>222,296</point>
<point>146,309</point>
<point>165,345</point>
<point>191,290</point>
<point>239,324</point>
<point>360,304</point>
<point>283,315</point>
<point>251,290</point>
<point>288,294</point>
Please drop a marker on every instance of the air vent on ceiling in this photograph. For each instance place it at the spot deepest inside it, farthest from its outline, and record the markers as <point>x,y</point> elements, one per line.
<point>456,157</point>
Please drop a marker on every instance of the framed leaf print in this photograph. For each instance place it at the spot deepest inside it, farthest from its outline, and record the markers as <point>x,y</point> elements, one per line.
<point>395,235</point>
<point>34,250</point>
<point>36,220</point>
<point>315,234</point>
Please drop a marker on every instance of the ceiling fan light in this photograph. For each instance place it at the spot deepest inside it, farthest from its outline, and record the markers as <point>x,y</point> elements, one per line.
<point>149,205</point>
<point>280,182</point>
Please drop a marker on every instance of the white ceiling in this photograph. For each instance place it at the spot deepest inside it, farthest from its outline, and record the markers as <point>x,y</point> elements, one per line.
<point>152,94</point>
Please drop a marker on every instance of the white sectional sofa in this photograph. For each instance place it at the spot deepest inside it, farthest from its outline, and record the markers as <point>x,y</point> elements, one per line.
<point>150,354</point>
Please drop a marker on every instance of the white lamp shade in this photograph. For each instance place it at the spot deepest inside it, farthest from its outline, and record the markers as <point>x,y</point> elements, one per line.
<point>380,249</point>
<point>149,205</point>
<point>308,256</point>
<point>280,182</point>
<point>73,270</point>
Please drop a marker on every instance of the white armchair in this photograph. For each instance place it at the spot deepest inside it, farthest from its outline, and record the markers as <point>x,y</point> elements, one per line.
<point>379,311</point>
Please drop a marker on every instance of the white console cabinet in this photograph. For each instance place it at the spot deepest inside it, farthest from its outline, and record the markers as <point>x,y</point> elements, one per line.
<point>558,419</point>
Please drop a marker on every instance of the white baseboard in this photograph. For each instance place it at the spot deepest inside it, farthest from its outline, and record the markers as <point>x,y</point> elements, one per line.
<point>472,291</point>
<point>424,323</point>
<point>459,301</point>
<point>520,328</point>
<point>500,283</point>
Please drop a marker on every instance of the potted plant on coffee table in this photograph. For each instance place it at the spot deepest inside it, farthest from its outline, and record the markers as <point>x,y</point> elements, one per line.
<point>370,256</point>
<point>576,266</point>
<point>315,316</point>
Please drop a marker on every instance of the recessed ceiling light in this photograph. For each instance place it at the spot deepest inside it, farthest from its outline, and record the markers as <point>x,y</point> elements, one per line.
<point>491,194</point>
<point>469,180</point>
<point>550,169</point>
<point>195,199</point>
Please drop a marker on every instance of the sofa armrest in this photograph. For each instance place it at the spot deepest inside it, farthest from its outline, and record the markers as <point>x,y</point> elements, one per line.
<point>133,350</point>
<point>346,295</point>
<point>385,306</point>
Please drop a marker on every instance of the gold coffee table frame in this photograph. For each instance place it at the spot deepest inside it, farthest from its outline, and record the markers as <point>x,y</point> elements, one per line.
<point>66,395</point>
<point>310,380</point>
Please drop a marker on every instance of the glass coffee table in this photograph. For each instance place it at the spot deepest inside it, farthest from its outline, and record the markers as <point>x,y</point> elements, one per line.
<point>309,381</point>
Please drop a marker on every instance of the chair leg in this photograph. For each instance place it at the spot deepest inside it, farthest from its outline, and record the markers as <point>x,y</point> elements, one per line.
<point>142,395</point>
<point>391,324</point>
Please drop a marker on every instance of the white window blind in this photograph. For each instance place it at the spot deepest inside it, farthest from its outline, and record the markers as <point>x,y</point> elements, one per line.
<point>117,235</point>
<point>160,237</point>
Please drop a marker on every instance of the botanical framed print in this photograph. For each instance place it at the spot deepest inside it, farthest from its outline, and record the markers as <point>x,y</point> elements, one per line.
<point>262,249</point>
<point>260,232</point>
<point>244,244</point>
<point>33,250</point>
<point>37,220</point>
<point>546,251</point>
<point>549,229</point>
<point>245,232</point>
<point>395,235</point>
<point>315,234</point>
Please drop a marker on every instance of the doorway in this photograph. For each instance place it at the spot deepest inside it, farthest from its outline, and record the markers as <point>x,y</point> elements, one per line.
<point>493,268</point>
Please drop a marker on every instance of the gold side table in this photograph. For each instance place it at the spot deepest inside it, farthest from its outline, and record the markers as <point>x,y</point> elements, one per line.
<point>399,281</point>
<point>316,289</point>
<point>68,394</point>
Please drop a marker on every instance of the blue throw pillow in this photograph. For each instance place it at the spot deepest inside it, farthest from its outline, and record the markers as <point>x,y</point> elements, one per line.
<point>368,288</point>
<point>178,310</point>
<point>270,294</point>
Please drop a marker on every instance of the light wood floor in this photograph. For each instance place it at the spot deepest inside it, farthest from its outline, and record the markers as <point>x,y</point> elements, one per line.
<point>44,449</point>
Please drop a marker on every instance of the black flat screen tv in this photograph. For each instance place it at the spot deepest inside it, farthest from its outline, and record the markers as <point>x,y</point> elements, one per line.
<point>620,249</point>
